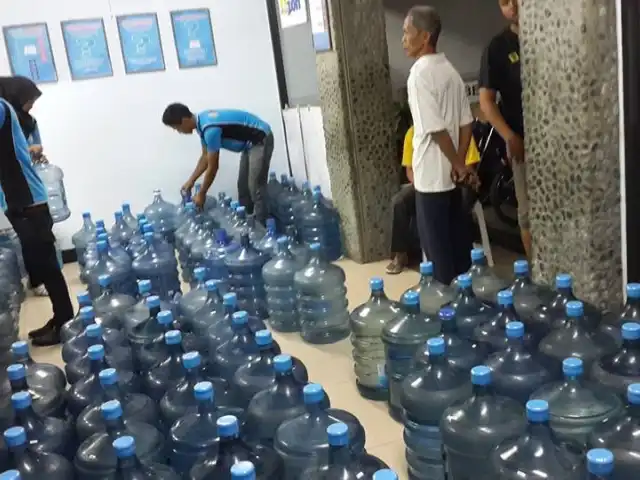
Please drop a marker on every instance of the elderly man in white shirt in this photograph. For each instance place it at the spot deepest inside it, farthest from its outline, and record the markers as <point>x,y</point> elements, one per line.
<point>442,133</point>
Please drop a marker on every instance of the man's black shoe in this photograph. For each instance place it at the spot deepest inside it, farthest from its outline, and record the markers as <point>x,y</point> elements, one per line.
<point>42,330</point>
<point>48,338</point>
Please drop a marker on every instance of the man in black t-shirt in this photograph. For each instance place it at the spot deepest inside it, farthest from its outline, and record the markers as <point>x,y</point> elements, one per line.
<point>500,73</point>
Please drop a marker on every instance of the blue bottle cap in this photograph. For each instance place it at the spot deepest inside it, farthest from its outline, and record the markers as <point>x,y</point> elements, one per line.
<point>574,309</point>
<point>199,273</point>
<point>426,268</point>
<point>633,290</point>
<point>108,376</point>
<point>271,223</point>
<point>243,471</point>
<point>165,317</point>
<point>600,461</point>
<point>477,254</point>
<point>633,393</point>
<point>87,314</point>
<point>411,298</point>
<point>111,410</point>
<point>241,210</point>
<point>376,284</point>
<point>230,300</point>
<point>228,426</point>
<point>520,267</point>
<point>21,400</point>
<point>240,318</point>
<point>153,301</point>
<point>481,375</point>
<point>125,447</point>
<point>464,280</point>
<point>211,285</point>
<point>117,215</point>
<point>147,228</point>
<point>505,298</point>
<point>313,393</point>
<point>93,330</point>
<point>282,242</point>
<point>144,286</point>
<point>316,195</point>
<point>203,391</point>
<point>148,237</point>
<point>173,337</point>
<point>95,352</point>
<point>99,223</point>
<point>385,474</point>
<point>282,363</point>
<point>446,314</point>
<point>191,360</point>
<point>15,436</point>
<point>104,280</point>
<point>315,247</point>
<point>84,298</point>
<point>564,280</point>
<point>631,331</point>
<point>16,371</point>
<point>537,411</point>
<point>126,206</point>
<point>10,475</point>
<point>515,330</point>
<point>263,338</point>
<point>436,346</point>
<point>20,348</point>
<point>572,367</point>
<point>86,215</point>
<point>338,434</point>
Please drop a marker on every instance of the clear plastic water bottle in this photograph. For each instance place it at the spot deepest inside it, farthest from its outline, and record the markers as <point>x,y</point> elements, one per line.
<point>471,312</point>
<point>302,441</point>
<point>31,464</point>
<point>486,284</point>
<point>221,329</point>
<point>234,452</point>
<point>238,350</point>
<point>122,277</point>
<point>135,406</point>
<point>402,337</point>
<point>473,428</point>
<point>214,259</point>
<point>537,453</point>
<point>526,294</point>
<point>162,215</point>
<point>366,322</point>
<point>44,374</point>
<point>160,267</point>
<point>82,237</point>
<point>194,300</point>
<point>425,395</point>
<point>321,224</point>
<point>131,468</point>
<point>53,179</point>
<point>121,231</point>
<point>616,371</point>
<point>267,244</point>
<point>210,311</point>
<point>111,307</point>
<point>169,371</point>
<point>342,463</point>
<point>600,465</point>
<point>322,301</point>
<point>96,458</point>
<point>518,371</point>
<point>433,294</point>
<point>278,276</point>
<point>92,335</point>
<point>299,251</point>
<point>575,406</point>
<point>48,402</point>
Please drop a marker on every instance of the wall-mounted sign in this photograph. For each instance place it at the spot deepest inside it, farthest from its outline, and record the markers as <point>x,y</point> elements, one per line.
<point>87,49</point>
<point>193,36</point>
<point>319,13</point>
<point>29,51</point>
<point>140,43</point>
<point>292,13</point>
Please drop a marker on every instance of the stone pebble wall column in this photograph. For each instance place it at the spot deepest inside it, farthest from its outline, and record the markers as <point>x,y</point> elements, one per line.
<point>571,111</point>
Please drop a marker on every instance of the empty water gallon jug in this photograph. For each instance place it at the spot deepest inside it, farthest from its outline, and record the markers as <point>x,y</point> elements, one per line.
<point>149,330</point>
<point>574,339</point>
<point>321,224</point>
<point>47,401</point>
<point>96,458</point>
<point>616,371</point>
<point>267,244</point>
<point>576,407</point>
<point>526,294</point>
<point>471,312</point>
<point>600,465</point>
<point>45,434</point>
<point>299,251</point>
<point>121,231</point>
<point>47,375</point>
<point>630,312</point>
<point>211,310</point>
<point>82,237</point>
<point>433,294</point>
<point>486,284</point>
<point>341,462</point>
<point>473,428</point>
<point>366,322</point>
<point>131,468</point>
<point>425,396</point>
<point>238,350</point>
<point>402,337</point>
<point>169,371</point>
<point>135,406</point>
<point>111,307</point>
<point>537,453</point>
<point>140,312</point>
<point>288,197</point>
<point>302,441</point>
<point>221,329</point>
<point>53,179</point>
<point>92,335</point>
<point>33,465</point>
<point>194,300</point>
<point>305,203</point>
<point>128,216</point>
<point>274,188</point>
<point>322,301</point>
<point>162,215</point>
<point>258,373</point>
<point>122,278</point>
<point>160,267</point>
<point>215,256</point>
<point>278,276</point>
<point>518,371</point>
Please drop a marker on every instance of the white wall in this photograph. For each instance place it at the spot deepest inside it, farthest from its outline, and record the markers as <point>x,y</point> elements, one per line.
<point>107,134</point>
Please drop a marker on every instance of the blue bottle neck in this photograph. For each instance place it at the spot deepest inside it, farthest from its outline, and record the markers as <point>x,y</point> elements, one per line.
<point>631,345</point>
<point>115,427</point>
<point>130,465</point>
<point>96,366</point>
<point>482,391</point>
<point>573,381</point>
<point>508,309</point>
<point>193,376</point>
<point>315,411</point>
<point>112,392</point>
<point>438,360</point>
<point>340,456</point>
<point>87,225</point>
<point>523,279</point>
<point>411,308</point>
<point>207,410</point>
<point>378,296</point>
<point>19,385</point>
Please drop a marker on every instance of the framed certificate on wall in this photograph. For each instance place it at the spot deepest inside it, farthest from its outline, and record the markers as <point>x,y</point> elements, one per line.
<point>87,51</point>
<point>140,43</point>
<point>29,52</point>
<point>193,38</point>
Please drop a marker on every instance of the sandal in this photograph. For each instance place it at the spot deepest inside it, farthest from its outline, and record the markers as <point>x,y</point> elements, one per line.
<point>395,267</point>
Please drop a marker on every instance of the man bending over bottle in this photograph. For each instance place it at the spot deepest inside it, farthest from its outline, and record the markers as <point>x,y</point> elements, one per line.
<point>234,130</point>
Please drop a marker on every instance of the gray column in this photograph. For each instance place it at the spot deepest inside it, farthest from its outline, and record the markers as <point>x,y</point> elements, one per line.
<point>356,99</point>
<point>570,79</point>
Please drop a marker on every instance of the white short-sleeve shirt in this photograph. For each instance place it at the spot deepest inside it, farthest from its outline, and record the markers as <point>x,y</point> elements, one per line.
<point>438,101</point>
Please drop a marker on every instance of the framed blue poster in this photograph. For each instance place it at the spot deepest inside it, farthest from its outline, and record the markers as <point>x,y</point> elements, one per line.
<point>193,37</point>
<point>87,49</point>
<point>140,43</point>
<point>29,51</point>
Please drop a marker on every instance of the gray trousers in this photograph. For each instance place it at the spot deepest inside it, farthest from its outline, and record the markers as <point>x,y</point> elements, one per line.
<point>253,176</point>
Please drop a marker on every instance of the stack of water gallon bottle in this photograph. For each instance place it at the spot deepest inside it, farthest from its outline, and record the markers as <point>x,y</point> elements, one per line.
<point>504,380</point>
<point>159,385</point>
